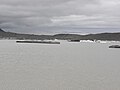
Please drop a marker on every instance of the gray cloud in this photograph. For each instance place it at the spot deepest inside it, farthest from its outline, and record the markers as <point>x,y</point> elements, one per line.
<point>46,15</point>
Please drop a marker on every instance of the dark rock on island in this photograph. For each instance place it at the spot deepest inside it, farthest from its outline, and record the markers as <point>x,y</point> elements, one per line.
<point>74,40</point>
<point>114,46</point>
<point>42,42</point>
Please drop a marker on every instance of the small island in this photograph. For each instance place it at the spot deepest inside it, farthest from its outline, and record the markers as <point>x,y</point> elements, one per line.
<point>42,42</point>
<point>74,40</point>
<point>114,46</point>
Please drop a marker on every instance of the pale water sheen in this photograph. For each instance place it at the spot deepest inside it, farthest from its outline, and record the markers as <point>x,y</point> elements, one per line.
<point>68,66</point>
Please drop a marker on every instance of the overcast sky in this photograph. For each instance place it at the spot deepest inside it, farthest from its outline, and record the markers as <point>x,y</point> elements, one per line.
<point>46,16</point>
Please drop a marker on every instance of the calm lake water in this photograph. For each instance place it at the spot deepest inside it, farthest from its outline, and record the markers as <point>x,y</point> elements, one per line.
<point>68,66</point>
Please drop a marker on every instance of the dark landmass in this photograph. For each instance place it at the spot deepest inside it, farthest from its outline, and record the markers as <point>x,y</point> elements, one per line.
<point>100,36</point>
<point>74,40</point>
<point>114,46</point>
<point>11,35</point>
<point>42,42</point>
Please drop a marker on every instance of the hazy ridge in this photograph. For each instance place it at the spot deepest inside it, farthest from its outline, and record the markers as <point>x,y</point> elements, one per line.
<point>99,36</point>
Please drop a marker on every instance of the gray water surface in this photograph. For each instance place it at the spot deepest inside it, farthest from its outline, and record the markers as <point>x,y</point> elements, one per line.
<point>68,66</point>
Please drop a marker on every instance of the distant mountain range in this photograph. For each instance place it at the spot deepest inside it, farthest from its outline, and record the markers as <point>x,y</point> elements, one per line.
<point>99,36</point>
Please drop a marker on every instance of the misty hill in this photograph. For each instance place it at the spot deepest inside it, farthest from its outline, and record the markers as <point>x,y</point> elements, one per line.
<point>100,36</point>
<point>1,31</point>
<point>11,35</point>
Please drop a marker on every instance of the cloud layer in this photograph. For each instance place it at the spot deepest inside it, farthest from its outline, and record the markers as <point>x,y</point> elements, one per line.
<point>36,15</point>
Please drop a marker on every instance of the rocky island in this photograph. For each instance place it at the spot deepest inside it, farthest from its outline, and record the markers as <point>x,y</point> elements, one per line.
<point>41,42</point>
<point>114,46</point>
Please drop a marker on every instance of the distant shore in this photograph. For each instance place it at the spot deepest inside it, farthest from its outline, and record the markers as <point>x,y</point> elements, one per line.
<point>92,37</point>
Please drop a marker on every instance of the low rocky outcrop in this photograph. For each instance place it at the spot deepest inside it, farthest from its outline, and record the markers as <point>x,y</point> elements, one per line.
<point>114,46</point>
<point>42,42</point>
